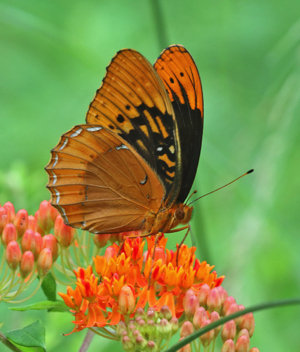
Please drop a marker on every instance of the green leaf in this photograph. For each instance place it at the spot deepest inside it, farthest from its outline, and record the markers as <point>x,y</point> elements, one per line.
<point>57,306</point>
<point>32,335</point>
<point>49,287</point>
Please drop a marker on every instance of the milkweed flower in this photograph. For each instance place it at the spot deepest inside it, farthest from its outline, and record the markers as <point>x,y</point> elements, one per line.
<point>145,302</point>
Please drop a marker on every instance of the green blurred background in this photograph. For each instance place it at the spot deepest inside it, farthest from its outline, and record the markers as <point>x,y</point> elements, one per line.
<point>53,58</point>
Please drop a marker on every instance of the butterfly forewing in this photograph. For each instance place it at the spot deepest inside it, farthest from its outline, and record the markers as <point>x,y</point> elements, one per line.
<point>180,76</point>
<point>133,103</point>
<point>99,183</point>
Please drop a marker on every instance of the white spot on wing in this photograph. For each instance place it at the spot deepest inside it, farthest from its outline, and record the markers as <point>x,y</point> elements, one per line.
<point>55,160</point>
<point>64,144</point>
<point>63,214</point>
<point>94,129</point>
<point>159,149</point>
<point>122,146</point>
<point>57,195</point>
<point>76,133</point>
<point>54,178</point>
<point>144,180</point>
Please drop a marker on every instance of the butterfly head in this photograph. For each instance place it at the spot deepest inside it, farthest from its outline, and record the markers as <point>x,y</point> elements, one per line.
<point>182,214</point>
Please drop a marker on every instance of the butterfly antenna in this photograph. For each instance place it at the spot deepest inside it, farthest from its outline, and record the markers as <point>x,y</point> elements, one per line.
<point>191,196</point>
<point>227,184</point>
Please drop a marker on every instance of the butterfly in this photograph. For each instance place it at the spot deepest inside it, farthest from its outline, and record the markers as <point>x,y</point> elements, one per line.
<point>132,165</point>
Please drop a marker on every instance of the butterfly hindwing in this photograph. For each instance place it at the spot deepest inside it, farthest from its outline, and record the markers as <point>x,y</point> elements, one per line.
<point>180,76</point>
<point>133,103</point>
<point>100,183</point>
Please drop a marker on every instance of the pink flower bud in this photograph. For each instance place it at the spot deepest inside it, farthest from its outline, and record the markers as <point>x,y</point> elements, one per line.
<point>44,216</point>
<point>10,211</point>
<point>28,242</point>
<point>49,241</point>
<point>160,254</point>
<point>214,300</point>
<point>165,312</point>
<point>206,338</point>
<point>13,255</point>
<point>243,332</point>
<point>53,212</point>
<point>247,322</point>
<point>242,344</point>
<point>151,347</point>
<point>185,348</point>
<point>228,346</point>
<point>26,264</point>
<point>199,317</point>
<point>186,329</point>
<point>38,245</point>
<point>190,303</point>
<point>101,240</point>
<point>44,262</point>
<point>127,344</point>
<point>21,222</point>
<point>39,229</point>
<point>214,316</point>
<point>165,329</point>
<point>228,302</point>
<point>126,300</point>
<point>121,327</point>
<point>64,233</point>
<point>31,223</point>
<point>233,308</point>
<point>175,324</point>
<point>9,234</point>
<point>110,252</point>
<point>203,294</point>
<point>254,349</point>
<point>140,342</point>
<point>223,293</point>
<point>229,331</point>
<point>3,219</point>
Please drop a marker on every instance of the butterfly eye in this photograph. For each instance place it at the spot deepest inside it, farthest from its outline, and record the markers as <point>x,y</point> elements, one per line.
<point>179,214</point>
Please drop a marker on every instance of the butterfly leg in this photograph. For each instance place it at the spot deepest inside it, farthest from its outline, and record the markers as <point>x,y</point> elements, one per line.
<point>181,243</point>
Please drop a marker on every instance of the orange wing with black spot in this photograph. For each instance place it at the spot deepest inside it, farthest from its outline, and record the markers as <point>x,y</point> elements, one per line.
<point>133,103</point>
<point>181,79</point>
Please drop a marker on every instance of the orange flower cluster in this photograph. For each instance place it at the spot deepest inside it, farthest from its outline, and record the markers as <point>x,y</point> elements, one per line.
<point>123,285</point>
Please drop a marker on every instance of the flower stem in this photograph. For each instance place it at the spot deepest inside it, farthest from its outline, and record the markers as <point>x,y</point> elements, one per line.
<point>8,344</point>
<point>87,341</point>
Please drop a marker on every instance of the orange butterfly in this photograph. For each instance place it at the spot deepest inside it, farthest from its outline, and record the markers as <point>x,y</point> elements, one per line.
<point>132,165</point>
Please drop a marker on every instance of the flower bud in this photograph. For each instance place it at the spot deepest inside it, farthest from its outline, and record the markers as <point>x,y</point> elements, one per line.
<point>53,212</point>
<point>31,223</point>
<point>223,293</point>
<point>28,242</point>
<point>43,216</point>
<point>121,327</point>
<point>228,346</point>
<point>174,324</point>
<point>229,331</point>
<point>26,264</point>
<point>186,329</point>
<point>150,327</point>
<point>141,325</point>
<point>10,211</point>
<point>126,300</point>
<point>140,313</point>
<point>64,233</point>
<point>242,344</point>
<point>21,222</point>
<point>140,342</point>
<point>233,308</point>
<point>247,322</point>
<point>214,316</point>
<point>127,344</point>
<point>39,229</point>
<point>254,349</point>
<point>185,348</point>
<point>110,252</point>
<point>101,240</point>
<point>13,255</point>
<point>151,314</point>
<point>49,241</point>
<point>9,234</point>
<point>160,254</point>
<point>165,312</point>
<point>203,294</point>
<point>207,338</point>
<point>151,347</point>
<point>214,300</point>
<point>165,329</point>
<point>118,237</point>
<point>190,303</point>
<point>38,245</point>
<point>3,219</point>
<point>44,262</point>
<point>227,303</point>
<point>199,317</point>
